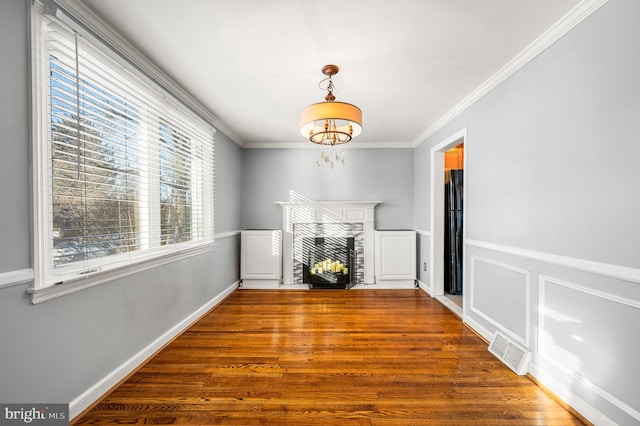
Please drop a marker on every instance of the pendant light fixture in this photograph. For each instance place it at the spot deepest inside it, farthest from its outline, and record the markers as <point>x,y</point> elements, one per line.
<point>330,123</point>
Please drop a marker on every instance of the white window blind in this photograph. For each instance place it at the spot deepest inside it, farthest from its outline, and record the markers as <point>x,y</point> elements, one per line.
<point>130,169</point>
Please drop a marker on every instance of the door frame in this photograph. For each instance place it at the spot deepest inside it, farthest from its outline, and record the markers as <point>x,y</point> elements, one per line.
<point>436,276</point>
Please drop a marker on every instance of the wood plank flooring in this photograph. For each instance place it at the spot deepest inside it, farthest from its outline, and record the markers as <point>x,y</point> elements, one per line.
<point>328,357</point>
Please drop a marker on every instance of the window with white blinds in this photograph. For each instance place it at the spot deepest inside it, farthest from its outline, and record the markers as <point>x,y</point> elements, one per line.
<point>129,170</point>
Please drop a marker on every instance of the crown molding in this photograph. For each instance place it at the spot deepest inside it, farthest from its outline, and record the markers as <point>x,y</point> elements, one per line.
<point>565,24</point>
<point>82,15</point>
<point>307,145</point>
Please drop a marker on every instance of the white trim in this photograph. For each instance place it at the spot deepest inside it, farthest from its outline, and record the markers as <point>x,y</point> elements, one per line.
<point>436,247</point>
<point>21,276</point>
<point>449,304</point>
<point>92,22</point>
<point>543,279</point>
<point>425,233</point>
<point>527,275</point>
<point>40,212</point>
<point>250,284</point>
<point>388,263</point>
<point>78,275</point>
<point>95,392</point>
<point>599,268</point>
<point>425,287</point>
<point>355,144</point>
<point>574,375</point>
<point>478,328</point>
<point>349,211</point>
<point>329,204</point>
<point>227,234</point>
<point>47,293</point>
<point>392,284</point>
<point>557,30</point>
<point>95,24</point>
<point>561,380</point>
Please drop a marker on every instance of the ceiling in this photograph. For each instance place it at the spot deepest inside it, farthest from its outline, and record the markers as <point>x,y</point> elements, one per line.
<point>256,63</point>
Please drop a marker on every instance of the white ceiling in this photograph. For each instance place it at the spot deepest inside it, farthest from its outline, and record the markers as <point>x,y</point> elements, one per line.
<point>256,63</point>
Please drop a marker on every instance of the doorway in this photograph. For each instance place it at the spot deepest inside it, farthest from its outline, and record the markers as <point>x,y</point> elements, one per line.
<point>453,222</point>
<point>441,239</point>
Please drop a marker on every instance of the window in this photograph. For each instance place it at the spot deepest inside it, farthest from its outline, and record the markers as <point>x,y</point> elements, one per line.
<point>123,172</point>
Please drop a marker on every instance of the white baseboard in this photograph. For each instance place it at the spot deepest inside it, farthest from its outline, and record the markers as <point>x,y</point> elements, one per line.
<point>391,284</point>
<point>426,288</point>
<point>478,328</point>
<point>95,392</point>
<point>450,305</point>
<point>271,285</point>
<point>260,284</point>
<point>558,383</point>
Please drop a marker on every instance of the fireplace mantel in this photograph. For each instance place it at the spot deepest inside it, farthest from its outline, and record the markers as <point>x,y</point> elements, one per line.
<point>327,212</point>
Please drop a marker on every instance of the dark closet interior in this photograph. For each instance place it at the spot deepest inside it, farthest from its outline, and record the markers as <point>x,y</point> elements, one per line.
<point>453,219</point>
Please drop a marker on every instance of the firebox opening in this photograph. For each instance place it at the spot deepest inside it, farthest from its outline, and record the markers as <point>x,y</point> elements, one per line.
<point>329,262</point>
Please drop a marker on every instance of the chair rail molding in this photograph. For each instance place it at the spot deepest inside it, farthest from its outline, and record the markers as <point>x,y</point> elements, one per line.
<point>598,268</point>
<point>11,278</point>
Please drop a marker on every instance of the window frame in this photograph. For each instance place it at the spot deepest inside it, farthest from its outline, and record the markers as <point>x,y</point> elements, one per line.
<point>43,287</point>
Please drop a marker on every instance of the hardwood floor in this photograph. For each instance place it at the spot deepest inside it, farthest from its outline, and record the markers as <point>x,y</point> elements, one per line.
<point>328,357</point>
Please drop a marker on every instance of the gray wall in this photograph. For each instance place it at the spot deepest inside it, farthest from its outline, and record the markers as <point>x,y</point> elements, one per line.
<point>551,170</point>
<point>290,174</point>
<point>552,184</point>
<point>54,351</point>
<point>14,163</point>
<point>553,152</point>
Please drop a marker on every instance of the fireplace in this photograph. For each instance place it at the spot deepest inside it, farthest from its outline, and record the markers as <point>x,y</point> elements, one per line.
<point>329,263</point>
<point>328,220</point>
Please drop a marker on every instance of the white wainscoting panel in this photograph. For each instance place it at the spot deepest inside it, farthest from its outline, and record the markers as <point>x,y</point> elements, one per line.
<point>261,257</point>
<point>499,293</point>
<point>395,256</point>
<point>593,336</point>
<point>583,319</point>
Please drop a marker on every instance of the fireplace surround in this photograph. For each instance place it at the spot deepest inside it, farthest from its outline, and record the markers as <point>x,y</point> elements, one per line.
<point>327,219</point>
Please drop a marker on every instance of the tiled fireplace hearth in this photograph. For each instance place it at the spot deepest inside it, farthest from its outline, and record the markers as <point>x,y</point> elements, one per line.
<point>327,219</point>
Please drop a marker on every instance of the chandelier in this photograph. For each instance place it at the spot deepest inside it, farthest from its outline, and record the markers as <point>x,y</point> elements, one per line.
<point>330,123</point>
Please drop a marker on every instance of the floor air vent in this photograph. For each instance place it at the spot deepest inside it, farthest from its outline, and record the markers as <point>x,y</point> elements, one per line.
<point>512,354</point>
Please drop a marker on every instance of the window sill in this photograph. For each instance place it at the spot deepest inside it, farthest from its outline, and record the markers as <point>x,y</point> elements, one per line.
<point>47,293</point>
